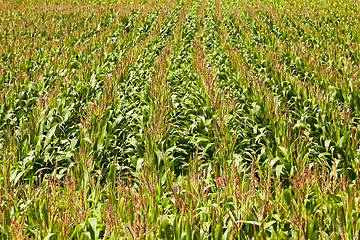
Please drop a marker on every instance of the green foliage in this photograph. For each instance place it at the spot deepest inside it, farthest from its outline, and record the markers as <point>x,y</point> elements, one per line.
<point>234,119</point>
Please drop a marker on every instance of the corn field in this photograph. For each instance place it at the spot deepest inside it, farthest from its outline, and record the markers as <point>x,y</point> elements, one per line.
<point>179,119</point>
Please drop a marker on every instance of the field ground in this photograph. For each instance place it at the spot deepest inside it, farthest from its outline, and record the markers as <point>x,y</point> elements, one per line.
<point>179,119</point>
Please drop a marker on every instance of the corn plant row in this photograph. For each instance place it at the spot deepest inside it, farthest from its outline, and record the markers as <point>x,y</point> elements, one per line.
<point>287,90</point>
<point>81,95</point>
